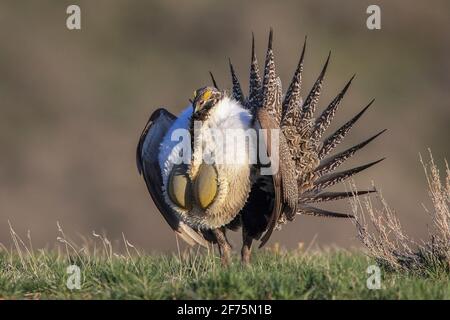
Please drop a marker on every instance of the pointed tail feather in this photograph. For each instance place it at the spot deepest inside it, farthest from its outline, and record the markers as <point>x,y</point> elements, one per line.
<point>311,100</point>
<point>292,100</point>
<point>323,122</point>
<point>312,211</point>
<point>334,178</point>
<point>332,196</point>
<point>237,90</point>
<point>331,163</point>
<point>269,89</point>
<point>254,96</point>
<point>213,80</point>
<point>332,141</point>
<point>278,90</point>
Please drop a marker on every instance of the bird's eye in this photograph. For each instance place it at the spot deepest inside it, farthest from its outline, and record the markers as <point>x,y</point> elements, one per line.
<point>209,103</point>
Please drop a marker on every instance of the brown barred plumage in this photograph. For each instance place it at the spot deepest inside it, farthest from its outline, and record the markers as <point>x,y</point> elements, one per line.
<point>236,91</point>
<point>324,120</point>
<point>304,171</point>
<point>255,85</point>
<point>333,140</point>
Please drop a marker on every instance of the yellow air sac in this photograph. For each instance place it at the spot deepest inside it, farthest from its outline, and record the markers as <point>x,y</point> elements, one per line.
<point>180,187</point>
<point>205,185</point>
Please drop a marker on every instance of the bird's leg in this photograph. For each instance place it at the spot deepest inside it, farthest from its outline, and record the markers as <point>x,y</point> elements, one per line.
<point>224,246</point>
<point>246,250</point>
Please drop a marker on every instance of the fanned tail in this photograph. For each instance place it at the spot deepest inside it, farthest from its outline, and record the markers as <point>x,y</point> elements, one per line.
<point>331,179</point>
<point>324,120</point>
<point>331,163</point>
<point>303,154</point>
<point>309,106</point>
<point>332,141</point>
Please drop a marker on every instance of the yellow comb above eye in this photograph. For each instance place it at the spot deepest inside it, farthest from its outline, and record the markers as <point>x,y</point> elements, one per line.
<point>207,95</point>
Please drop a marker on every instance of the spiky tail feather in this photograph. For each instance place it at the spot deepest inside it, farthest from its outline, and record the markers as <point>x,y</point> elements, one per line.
<point>302,132</point>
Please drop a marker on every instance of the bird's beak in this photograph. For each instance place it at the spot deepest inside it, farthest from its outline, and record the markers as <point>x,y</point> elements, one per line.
<point>195,107</point>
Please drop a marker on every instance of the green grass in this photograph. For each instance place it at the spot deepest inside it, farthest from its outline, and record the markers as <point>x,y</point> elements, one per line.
<point>323,275</point>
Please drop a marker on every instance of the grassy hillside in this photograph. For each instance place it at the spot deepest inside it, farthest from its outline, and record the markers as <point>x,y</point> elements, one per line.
<point>292,275</point>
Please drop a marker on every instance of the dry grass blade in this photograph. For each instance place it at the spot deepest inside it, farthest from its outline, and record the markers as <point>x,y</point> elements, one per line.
<point>380,230</point>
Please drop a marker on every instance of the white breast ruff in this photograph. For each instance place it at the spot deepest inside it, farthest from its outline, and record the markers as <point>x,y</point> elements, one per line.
<point>222,139</point>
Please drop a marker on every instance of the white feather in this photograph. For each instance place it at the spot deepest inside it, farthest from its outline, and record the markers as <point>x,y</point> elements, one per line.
<point>227,114</point>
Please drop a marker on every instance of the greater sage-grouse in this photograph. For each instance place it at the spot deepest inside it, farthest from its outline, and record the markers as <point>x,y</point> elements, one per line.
<point>280,162</point>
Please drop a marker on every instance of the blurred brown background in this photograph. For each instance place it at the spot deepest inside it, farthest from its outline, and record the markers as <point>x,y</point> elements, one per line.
<point>73,103</point>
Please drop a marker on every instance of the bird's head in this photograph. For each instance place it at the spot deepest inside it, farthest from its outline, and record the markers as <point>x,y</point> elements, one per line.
<point>204,100</point>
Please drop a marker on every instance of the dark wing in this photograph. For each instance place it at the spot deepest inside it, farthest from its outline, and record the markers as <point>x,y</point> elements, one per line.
<point>266,122</point>
<point>269,117</point>
<point>148,166</point>
<point>284,181</point>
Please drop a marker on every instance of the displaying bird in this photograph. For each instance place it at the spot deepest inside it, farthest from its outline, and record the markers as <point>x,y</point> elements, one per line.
<point>201,199</point>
